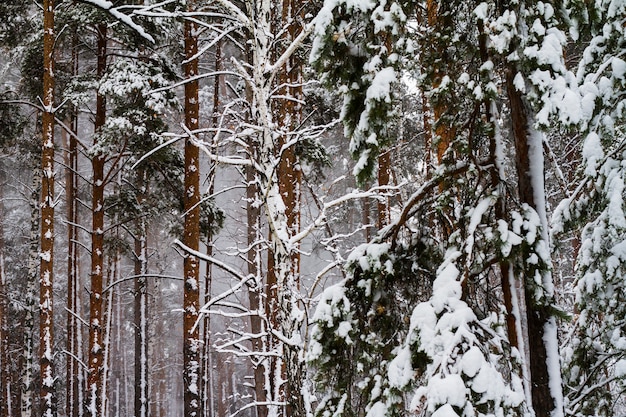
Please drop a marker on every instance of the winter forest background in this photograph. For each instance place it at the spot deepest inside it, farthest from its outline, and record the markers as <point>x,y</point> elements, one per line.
<point>294,208</point>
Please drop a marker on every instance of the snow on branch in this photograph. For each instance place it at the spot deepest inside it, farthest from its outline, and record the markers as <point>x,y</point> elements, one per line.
<point>216,158</point>
<point>393,229</point>
<point>212,260</point>
<point>373,192</point>
<point>156,149</point>
<point>293,47</point>
<point>124,18</point>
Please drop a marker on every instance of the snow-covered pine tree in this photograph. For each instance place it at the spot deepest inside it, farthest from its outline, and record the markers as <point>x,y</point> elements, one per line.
<point>505,57</point>
<point>595,357</point>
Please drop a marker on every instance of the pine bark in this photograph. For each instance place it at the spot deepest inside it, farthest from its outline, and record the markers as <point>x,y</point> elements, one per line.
<point>27,359</point>
<point>191,232</point>
<point>47,393</point>
<point>207,379</point>
<point>444,130</point>
<point>538,316</point>
<point>141,308</point>
<point>286,284</point>
<point>94,400</point>
<point>384,179</point>
<point>255,293</point>
<point>72,405</point>
<point>5,374</point>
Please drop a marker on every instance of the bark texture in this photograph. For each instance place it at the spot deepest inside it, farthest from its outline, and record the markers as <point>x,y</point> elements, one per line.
<point>538,316</point>
<point>27,365</point>
<point>47,395</point>
<point>72,405</point>
<point>191,232</point>
<point>142,395</point>
<point>5,374</point>
<point>94,398</point>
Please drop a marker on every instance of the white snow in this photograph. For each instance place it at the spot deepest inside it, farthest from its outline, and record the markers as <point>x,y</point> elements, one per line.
<point>472,362</point>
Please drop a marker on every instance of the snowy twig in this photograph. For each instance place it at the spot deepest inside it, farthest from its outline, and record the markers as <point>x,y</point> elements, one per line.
<point>58,121</point>
<point>77,317</point>
<point>76,358</point>
<point>295,45</point>
<point>108,6</point>
<point>191,79</point>
<point>211,260</point>
<point>158,148</point>
<point>392,230</point>
<point>176,278</point>
<point>321,218</point>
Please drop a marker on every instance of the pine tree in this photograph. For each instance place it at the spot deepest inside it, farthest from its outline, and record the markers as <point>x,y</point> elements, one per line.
<point>46,311</point>
<point>192,370</point>
<point>467,219</point>
<point>93,399</point>
<point>594,360</point>
<point>5,376</point>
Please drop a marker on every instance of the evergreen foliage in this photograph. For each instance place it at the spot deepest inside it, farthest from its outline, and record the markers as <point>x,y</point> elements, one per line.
<point>358,49</point>
<point>595,356</point>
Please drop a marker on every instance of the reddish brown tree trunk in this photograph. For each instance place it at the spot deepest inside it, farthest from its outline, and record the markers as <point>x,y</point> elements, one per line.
<point>72,406</point>
<point>537,315</point>
<point>289,116</point>
<point>95,365</point>
<point>444,131</point>
<point>191,232</point>
<point>384,177</point>
<point>47,393</point>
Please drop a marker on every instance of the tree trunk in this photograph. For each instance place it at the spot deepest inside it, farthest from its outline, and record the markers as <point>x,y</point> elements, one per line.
<point>141,307</point>
<point>113,274</point>
<point>191,232</point>
<point>141,324</point>
<point>255,294</point>
<point>512,293</point>
<point>444,130</point>
<point>542,344</point>
<point>27,366</point>
<point>289,185</point>
<point>384,176</point>
<point>5,374</point>
<point>72,370</point>
<point>47,393</point>
<point>96,342</point>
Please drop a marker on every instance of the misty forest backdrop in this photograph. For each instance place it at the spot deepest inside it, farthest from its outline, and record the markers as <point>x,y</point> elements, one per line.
<point>294,208</point>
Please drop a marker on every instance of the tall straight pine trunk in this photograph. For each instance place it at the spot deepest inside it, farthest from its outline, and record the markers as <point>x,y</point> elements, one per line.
<point>141,305</point>
<point>541,328</point>
<point>207,358</point>
<point>439,22</point>
<point>94,400</point>
<point>73,402</point>
<point>47,395</point>
<point>191,233</point>
<point>5,374</point>
<point>27,359</point>
<point>290,187</point>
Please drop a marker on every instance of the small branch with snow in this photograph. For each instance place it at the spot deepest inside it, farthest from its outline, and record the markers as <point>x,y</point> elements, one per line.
<point>126,19</point>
